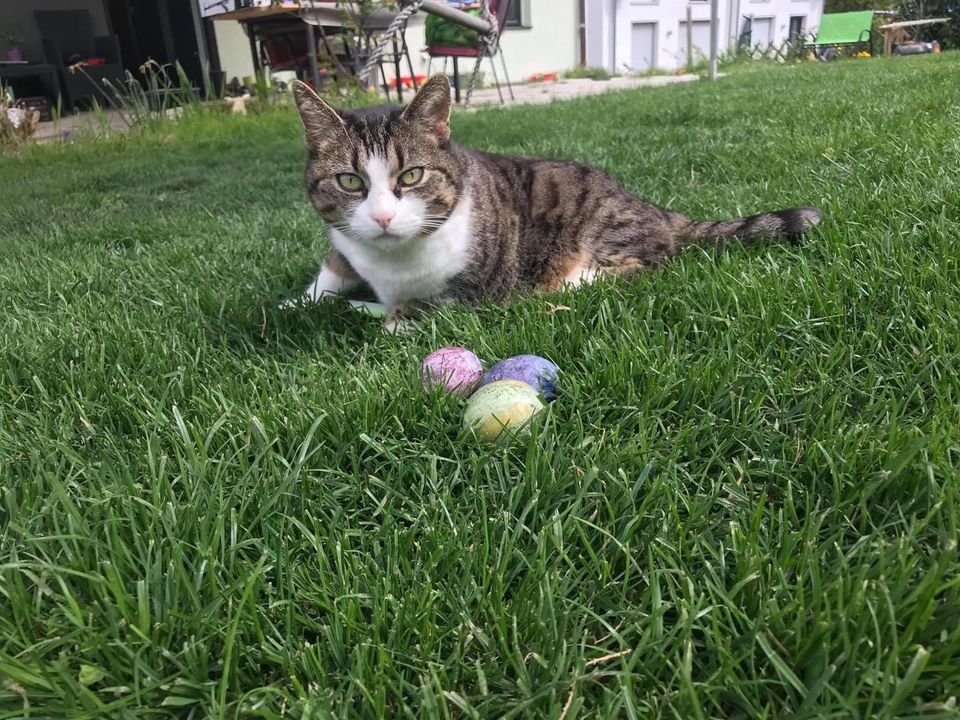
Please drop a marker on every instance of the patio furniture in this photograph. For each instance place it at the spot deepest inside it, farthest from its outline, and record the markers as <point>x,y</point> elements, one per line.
<point>849,28</point>
<point>275,25</point>
<point>375,28</point>
<point>258,21</point>
<point>68,38</point>
<point>44,72</point>
<point>453,40</point>
<point>896,33</point>
<point>286,48</point>
<point>328,13</point>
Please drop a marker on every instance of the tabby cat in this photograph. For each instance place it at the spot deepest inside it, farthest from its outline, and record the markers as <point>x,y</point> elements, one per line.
<point>422,220</point>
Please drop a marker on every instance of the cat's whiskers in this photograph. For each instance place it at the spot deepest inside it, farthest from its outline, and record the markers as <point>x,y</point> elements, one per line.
<point>431,223</point>
<point>427,229</point>
<point>343,228</point>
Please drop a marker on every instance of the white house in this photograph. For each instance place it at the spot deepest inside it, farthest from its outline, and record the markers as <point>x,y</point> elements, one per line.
<point>640,35</point>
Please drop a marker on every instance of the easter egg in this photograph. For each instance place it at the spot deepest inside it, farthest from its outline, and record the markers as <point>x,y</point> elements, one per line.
<point>455,369</point>
<point>500,405</point>
<point>534,370</point>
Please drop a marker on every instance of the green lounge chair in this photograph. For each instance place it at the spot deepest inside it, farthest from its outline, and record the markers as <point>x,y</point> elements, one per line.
<point>849,28</point>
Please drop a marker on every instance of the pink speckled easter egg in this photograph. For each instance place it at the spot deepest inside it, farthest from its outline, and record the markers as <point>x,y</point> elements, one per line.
<point>455,369</point>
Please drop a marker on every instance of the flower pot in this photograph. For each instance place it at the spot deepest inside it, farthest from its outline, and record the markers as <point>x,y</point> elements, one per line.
<point>16,55</point>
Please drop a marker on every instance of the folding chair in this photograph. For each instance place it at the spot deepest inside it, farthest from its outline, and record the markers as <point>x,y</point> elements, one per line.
<point>499,10</point>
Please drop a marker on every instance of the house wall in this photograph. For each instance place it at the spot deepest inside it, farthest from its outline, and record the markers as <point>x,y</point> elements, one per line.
<point>780,12</point>
<point>20,14</point>
<point>625,35</point>
<point>550,42</point>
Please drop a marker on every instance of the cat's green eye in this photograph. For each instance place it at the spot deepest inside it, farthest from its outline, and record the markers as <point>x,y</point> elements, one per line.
<point>350,182</point>
<point>411,176</point>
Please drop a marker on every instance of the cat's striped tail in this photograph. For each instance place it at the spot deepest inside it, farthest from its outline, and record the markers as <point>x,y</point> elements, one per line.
<point>778,224</point>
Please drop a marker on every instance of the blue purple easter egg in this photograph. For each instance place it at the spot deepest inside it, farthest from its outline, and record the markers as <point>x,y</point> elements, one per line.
<point>535,371</point>
<point>455,369</point>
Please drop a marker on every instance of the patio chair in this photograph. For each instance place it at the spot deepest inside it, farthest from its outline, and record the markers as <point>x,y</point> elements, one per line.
<point>838,29</point>
<point>499,10</point>
<point>67,37</point>
<point>286,49</point>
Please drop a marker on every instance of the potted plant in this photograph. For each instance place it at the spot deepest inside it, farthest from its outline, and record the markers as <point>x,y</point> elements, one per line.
<point>12,37</point>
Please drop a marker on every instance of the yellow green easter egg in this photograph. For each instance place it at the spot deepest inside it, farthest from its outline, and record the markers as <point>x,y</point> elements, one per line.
<point>500,405</point>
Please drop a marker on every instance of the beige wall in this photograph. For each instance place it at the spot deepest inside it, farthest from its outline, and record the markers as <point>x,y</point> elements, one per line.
<point>20,13</point>
<point>550,43</point>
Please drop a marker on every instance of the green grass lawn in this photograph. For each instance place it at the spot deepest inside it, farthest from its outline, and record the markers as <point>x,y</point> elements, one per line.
<point>743,504</point>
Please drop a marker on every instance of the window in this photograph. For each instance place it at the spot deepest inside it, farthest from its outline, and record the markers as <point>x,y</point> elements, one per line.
<point>515,14</point>
<point>796,26</point>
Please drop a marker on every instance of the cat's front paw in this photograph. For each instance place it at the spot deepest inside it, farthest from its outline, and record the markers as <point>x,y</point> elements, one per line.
<point>291,304</point>
<point>399,320</point>
<point>398,325</point>
<point>301,301</point>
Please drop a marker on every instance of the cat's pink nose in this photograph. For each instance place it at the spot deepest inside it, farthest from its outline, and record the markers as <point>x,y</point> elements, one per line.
<point>383,220</point>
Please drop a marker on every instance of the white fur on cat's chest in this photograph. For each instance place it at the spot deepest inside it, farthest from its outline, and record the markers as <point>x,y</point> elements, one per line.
<point>421,269</point>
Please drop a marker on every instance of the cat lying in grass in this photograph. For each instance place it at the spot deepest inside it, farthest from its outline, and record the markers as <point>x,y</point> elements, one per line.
<point>422,220</point>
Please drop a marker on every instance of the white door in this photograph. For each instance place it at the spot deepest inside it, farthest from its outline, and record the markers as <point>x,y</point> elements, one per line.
<point>762,32</point>
<point>701,40</point>
<point>643,46</point>
<point>636,30</point>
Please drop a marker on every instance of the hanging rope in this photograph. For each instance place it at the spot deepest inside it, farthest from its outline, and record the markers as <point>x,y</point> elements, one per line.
<point>373,62</point>
<point>488,42</point>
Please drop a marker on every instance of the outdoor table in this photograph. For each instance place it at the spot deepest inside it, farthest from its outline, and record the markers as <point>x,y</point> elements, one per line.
<point>894,31</point>
<point>10,71</point>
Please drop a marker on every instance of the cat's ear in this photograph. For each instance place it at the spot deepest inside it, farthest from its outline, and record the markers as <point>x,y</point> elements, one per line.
<point>319,119</point>
<point>430,109</point>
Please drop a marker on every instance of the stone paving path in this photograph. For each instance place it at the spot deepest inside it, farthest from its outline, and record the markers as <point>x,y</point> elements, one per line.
<point>85,123</point>
<point>545,92</point>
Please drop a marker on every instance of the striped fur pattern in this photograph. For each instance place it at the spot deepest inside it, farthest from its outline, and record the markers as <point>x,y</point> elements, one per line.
<point>496,226</point>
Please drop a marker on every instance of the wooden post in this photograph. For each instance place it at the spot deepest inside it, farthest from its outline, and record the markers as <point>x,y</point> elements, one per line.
<point>456,81</point>
<point>312,55</point>
<point>254,51</point>
<point>689,37</point>
<point>714,36</point>
<point>202,50</point>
